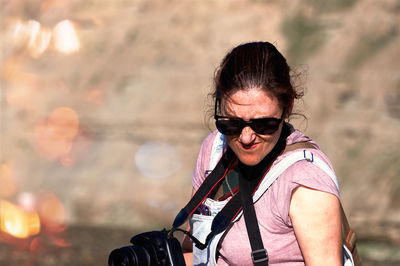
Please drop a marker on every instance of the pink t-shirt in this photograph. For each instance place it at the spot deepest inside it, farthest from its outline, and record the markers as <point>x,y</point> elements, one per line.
<point>272,208</point>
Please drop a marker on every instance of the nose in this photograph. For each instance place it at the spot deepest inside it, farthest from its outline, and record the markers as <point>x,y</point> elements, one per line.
<point>247,136</point>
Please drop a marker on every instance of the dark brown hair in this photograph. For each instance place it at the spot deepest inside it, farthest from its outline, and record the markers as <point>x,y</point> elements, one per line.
<point>256,65</point>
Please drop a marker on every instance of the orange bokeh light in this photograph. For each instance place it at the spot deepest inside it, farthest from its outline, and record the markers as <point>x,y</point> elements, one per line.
<point>55,135</point>
<point>17,222</point>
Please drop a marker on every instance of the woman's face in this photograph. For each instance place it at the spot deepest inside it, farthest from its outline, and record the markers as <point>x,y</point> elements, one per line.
<point>249,146</point>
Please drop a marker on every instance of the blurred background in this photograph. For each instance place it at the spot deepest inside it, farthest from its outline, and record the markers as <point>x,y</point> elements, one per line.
<point>104,105</point>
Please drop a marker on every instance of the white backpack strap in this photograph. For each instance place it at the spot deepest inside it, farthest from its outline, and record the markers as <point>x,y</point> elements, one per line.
<point>285,163</point>
<point>217,149</point>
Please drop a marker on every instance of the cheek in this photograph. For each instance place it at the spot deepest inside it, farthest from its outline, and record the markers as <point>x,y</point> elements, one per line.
<point>272,140</point>
<point>268,145</point>
<point>231,140</point>
<point>269,142</point>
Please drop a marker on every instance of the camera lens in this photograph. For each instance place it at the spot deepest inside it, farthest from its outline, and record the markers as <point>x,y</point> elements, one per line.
<point>129,256</point>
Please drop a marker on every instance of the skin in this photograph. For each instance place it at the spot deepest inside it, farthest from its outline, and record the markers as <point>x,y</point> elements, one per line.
<point>315,215</point>
<point>250,147</point>
<point>316,222</point>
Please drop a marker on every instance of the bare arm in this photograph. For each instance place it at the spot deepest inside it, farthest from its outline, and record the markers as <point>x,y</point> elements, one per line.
<point>316,221</point>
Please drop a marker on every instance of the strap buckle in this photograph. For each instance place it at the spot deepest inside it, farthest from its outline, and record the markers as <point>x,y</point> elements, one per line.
<point>309,156</point>
<point>259,255</point>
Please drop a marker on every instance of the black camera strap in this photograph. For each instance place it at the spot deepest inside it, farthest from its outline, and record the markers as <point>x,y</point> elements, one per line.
<point>259,254</point>
<point>207,189</point>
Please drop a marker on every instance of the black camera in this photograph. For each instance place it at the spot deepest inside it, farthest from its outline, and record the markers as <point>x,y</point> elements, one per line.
<point>150,248</point>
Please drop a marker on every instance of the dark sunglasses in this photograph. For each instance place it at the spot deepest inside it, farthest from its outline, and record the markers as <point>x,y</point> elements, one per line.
<point>234,125</point>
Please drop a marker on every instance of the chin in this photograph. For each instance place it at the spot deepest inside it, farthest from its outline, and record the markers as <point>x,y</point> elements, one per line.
<point>249,161</point>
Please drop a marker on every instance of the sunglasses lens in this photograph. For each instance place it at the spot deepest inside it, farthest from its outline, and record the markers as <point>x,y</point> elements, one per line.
<point>229,126</point>
<point>263,126</point>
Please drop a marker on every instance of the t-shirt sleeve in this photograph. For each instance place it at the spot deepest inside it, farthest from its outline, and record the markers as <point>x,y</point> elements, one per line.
<point>302,173</point>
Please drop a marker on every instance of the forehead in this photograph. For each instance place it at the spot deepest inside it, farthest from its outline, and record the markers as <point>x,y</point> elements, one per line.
<point>251,103</point>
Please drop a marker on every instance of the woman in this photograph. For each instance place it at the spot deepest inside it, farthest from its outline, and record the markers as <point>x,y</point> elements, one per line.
<point>299,214</point>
